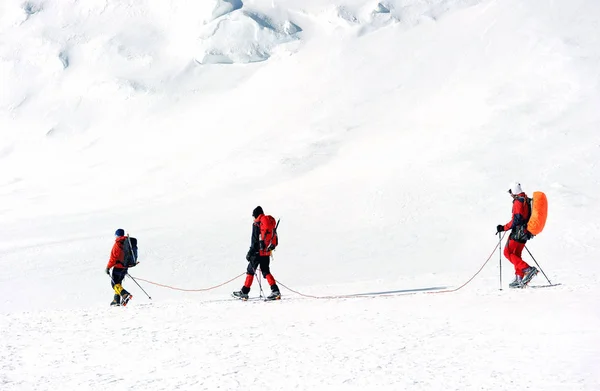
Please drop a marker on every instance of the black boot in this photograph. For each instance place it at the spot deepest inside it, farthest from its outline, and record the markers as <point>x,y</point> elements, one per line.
<point>240,295</point>
<point>126,297</point>
<point>275,295</point>
<point>116,301</point>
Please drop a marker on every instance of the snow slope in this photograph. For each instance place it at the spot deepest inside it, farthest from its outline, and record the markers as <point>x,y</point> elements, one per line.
<point>384,134</point>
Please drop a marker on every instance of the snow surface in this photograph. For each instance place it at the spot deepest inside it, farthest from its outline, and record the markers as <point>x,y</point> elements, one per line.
<point>384,134</point>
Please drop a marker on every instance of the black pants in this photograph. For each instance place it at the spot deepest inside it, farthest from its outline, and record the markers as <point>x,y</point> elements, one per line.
<point>262,261</point>
<point>253,264</point>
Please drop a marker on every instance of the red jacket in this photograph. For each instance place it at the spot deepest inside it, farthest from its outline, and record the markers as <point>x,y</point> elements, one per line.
<point>257,243</point>
<point>116,254</point>
<point>520,212</point>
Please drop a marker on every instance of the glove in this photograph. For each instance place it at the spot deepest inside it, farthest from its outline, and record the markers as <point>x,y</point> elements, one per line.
<point>500,228</point>
<point>108,271</point>
<point>250,256</point>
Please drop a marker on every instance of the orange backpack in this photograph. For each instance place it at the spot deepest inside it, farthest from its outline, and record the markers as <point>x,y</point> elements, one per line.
<point>539,212</point>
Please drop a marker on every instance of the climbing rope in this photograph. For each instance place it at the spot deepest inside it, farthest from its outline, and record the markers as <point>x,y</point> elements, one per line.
<point>191,290</point>
<point>475,275</point>
<point>345,296</point>
<point>331,296</point>
<point>394,294</point>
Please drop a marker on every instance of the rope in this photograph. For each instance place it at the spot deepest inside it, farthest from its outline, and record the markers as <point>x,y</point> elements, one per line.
<point>397,294</point>
<point>342,296</point>
<point>475,275</point>
<point>331,296</point>
<point>192,290</point>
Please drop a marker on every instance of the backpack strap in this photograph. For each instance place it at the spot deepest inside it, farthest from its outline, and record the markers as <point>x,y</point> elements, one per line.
<point>519,232</point>
<point>529,202</point>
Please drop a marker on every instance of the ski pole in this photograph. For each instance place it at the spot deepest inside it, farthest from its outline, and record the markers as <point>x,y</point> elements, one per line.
<point>500,255</point>
<point>139,286</point>
<point>500,258</point>
<point>538,265</point>
<point>257,270</point>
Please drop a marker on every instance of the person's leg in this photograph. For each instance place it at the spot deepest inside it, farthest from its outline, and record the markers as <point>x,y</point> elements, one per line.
<point>116,285</point>
<point>250,271</point>
<point>118,276</point>
<point>528,271</point>
<point>515,258</point>
<point>507,253</point>
<point>265,263</point>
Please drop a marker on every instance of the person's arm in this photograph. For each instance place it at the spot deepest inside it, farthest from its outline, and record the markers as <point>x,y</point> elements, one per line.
<point>254,240</point>
<point>116,254</point>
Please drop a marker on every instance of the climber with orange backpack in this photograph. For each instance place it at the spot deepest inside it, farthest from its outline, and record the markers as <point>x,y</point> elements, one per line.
<point>263,241</point>
<point>521,214</point>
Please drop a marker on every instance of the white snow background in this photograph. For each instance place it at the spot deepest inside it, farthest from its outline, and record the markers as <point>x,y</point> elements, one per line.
<point>383,134</point>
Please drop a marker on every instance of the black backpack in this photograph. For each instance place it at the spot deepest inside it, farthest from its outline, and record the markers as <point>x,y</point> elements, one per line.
<point>130,250</point>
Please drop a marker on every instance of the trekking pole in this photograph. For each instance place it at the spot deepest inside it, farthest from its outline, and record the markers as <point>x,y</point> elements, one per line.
<point>139,286</point>
<point>500,256</point>
<point>538,265</point>
<point>257,270</point>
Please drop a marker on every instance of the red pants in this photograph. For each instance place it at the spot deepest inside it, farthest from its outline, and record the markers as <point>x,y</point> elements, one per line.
<point>512,252</point>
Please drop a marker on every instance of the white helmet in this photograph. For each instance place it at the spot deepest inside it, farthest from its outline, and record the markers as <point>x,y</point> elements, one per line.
<point>515,188</point>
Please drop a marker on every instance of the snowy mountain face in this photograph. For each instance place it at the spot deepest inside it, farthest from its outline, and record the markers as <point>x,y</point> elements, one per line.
<point>384,134</point>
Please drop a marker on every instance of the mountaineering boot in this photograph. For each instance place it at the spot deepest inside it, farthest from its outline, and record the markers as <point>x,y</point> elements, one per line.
<point>275,295</point>
<point>126,297</point>
<point>116,301</point>
<point>517,283</point>
<point>240,295</point>
<point>530,272</point>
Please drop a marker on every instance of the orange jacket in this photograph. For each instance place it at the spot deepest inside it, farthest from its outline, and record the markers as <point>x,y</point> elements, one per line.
<point>116,254</point>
